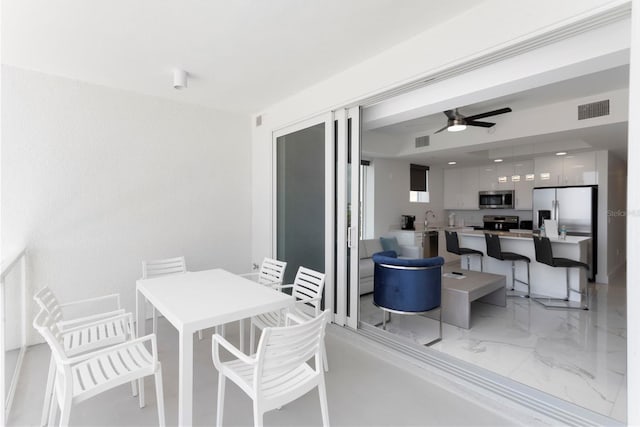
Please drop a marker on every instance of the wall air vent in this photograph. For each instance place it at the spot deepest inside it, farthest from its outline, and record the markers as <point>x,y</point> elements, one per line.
<point>422,141</point>
<point>594,109</point>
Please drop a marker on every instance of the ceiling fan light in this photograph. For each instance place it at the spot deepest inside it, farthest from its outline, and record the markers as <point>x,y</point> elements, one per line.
<point>456,128</point>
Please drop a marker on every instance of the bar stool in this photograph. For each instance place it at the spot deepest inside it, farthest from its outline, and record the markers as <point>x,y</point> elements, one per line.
<point>494,251</point>
<point>544,254</point>
<point>453,246</point>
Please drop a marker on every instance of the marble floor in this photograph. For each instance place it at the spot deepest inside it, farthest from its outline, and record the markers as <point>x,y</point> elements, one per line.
<point>576,355</point>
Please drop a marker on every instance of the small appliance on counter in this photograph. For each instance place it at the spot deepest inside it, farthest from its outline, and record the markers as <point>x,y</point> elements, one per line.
<point>501,223</point>
<point>407,222</point>
<point>452,219</point>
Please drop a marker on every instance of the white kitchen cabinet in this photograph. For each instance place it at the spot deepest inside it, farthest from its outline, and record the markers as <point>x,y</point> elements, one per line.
<point>548,171</point>
<point>487,178</point>
<point>523,188</point>
<point>461,188</point>
<point>504,172</point>
<point>580,169</point>
<point>573,169</point>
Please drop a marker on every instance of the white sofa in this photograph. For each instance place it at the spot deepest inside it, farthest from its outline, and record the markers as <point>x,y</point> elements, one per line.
<point>366,250</point>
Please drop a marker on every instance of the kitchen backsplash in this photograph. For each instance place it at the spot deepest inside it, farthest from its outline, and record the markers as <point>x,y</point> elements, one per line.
<point>471,218</point>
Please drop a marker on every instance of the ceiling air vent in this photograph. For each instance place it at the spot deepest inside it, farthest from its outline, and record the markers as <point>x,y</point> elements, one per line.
<point>594,109</point>
<point>422,141</point>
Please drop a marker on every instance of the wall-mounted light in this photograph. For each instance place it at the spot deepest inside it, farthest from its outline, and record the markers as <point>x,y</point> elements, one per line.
<point>179,79</point>
<point>452,163</point>
<point>498,160</point>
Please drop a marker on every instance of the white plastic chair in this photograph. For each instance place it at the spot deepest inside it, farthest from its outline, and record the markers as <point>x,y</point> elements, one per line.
<point>162,267</point>
<point>81,377</point>
<point>271,272</point>
<point>82,334</point>
<point>307,289</point>
<point>279,372</point>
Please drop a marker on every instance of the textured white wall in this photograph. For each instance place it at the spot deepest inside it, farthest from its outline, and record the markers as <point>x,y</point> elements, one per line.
<point>94,180</point>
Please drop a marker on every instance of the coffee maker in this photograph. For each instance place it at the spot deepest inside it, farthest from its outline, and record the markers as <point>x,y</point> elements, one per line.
<point>407,222</point>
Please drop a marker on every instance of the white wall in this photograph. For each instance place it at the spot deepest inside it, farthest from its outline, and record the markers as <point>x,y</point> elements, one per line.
<point>392,195</point>
<point>94,180</point>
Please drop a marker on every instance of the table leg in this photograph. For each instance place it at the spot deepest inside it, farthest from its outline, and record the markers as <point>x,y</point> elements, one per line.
<point>242,335</point>
<point>185,378</point>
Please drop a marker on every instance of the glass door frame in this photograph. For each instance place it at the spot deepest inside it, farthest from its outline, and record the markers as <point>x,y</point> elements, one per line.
<point>329,200</point>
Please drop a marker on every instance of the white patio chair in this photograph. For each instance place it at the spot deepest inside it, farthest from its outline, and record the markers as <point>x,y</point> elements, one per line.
<point>81,377</point>
<point>46,299</point>
<point>279,372</point>
<point>307,289</point>
<point>271,272</point>
<point>163,267</point>
<point>82,334</point>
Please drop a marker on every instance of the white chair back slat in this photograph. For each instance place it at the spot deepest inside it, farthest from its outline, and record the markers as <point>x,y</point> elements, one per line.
<point>285,349</point>
<point>271,271</point>
<point>308,284</point>
<point>163,267</point>
<point>47,300</point>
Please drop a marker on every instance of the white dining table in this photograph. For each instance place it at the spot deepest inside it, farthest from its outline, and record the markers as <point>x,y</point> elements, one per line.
<point>194,301</point>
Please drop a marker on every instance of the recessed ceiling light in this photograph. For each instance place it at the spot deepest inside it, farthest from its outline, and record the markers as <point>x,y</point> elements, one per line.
<point>451,163</point>
<point>561,153</point>
<point>497,160</point>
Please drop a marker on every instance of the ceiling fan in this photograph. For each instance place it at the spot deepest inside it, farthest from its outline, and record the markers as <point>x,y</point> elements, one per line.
<point>457,122</point>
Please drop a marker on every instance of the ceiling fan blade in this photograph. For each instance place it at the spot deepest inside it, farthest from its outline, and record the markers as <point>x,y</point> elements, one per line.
<point>440,130</point>
<point>451,115</point>
<point>480,124</point>
<point>489,114</point>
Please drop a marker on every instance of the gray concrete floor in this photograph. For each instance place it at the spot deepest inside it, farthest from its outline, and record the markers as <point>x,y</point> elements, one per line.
<point>362,389</point>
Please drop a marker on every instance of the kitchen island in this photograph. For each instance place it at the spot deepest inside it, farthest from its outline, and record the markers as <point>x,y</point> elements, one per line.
<point>545,280</point>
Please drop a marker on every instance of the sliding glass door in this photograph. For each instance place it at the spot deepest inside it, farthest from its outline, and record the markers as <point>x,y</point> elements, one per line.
<point>304,207</point>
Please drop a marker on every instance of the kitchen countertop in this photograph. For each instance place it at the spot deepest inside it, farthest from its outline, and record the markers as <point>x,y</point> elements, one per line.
<point>523,236</point>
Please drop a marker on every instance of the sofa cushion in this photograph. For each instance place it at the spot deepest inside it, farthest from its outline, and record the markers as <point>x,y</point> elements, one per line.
<point>369,247</point>
<point>390,244</point>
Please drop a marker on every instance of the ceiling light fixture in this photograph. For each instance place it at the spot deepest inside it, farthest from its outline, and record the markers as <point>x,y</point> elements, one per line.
<point>179,79</point>
<point>456,125</point>
<point>561,153</point>
<point>451,163</point>
<point>497,160</point>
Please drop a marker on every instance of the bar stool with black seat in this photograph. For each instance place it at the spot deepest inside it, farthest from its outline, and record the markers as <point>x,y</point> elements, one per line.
<point>453,246</point>
<point>494,250</point>
<point>544,255</point>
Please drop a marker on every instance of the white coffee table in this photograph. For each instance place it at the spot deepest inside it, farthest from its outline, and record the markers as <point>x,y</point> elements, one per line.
<point>198,300</point>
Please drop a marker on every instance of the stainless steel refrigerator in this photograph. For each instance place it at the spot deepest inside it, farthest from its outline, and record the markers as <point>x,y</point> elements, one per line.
<point>574,207</point>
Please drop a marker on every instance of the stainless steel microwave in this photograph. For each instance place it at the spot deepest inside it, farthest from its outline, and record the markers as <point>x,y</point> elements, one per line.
<point>496,199</point>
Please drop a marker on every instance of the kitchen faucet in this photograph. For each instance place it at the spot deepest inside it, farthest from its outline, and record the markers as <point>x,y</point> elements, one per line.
<point>426,217</point>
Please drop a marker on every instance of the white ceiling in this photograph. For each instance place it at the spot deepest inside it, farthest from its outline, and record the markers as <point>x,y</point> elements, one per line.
<point>241,55</point>
<point>612,137</point>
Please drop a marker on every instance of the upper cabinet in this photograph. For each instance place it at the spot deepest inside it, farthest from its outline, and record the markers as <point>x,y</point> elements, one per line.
<point>573,169</point>
<point>523,180</point>
<point>580,169</point>
<point>461,188</point>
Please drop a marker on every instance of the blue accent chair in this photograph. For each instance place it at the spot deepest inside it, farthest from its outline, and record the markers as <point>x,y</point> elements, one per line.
<point>407,286</point>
